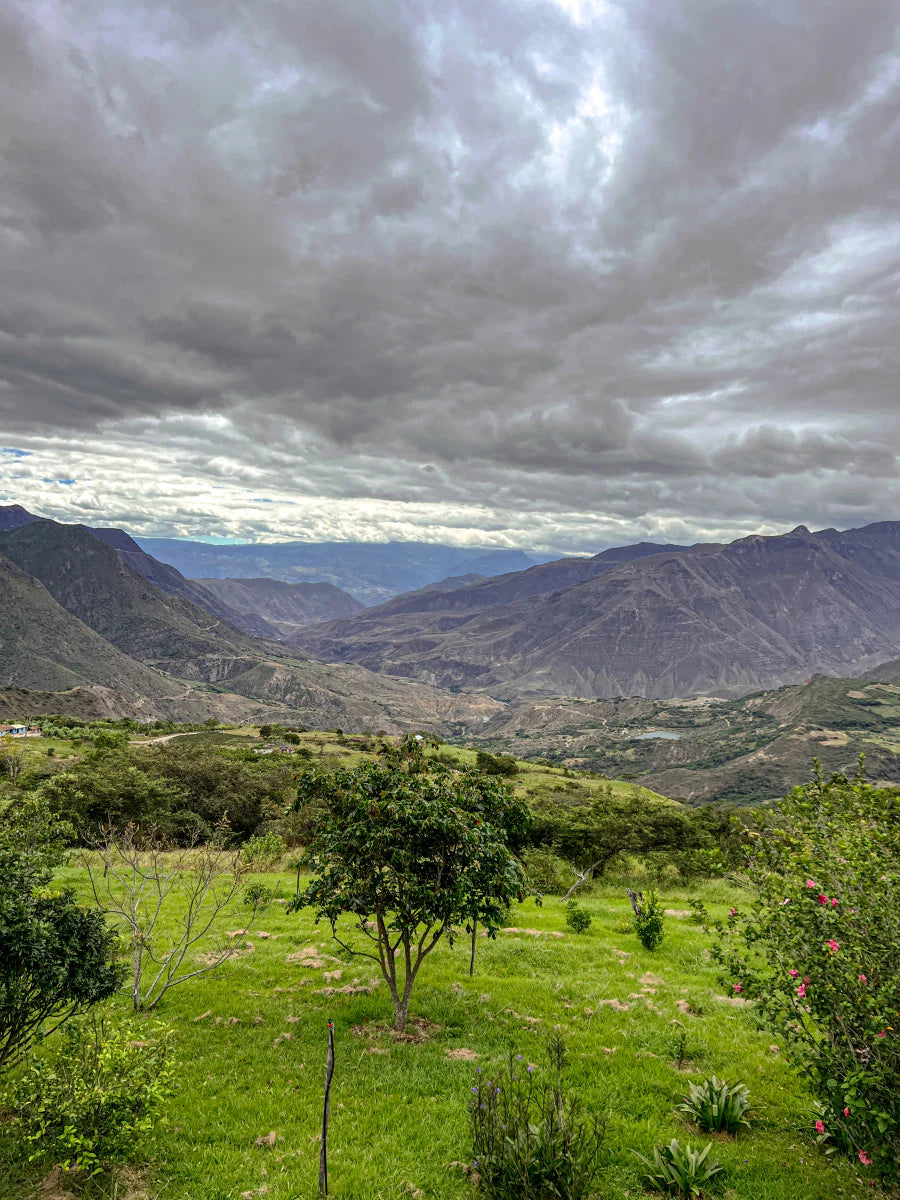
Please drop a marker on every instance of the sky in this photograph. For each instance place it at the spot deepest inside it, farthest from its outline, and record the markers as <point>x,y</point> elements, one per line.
<point>557,274</point>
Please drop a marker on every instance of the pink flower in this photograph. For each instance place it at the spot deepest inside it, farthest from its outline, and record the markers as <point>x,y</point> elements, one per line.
<point>793,973</point>
<point>739,987</point>
<point>732,912</point>
<point>846,1112</point>
<point>786,900</point>
<point>882,1034</point>
<point>806,979</point>
<point>822,898</point>
<point>820,1126</point>
<point>801,990</point>
<point>810,884</point>
<point>834,902</point>
<point>864,1159</point>
<point>861,979</point>
<point>833,946</point>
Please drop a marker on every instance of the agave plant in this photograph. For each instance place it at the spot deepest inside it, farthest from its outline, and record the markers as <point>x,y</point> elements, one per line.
<point>717,1106</point>
<point>677,1170</point>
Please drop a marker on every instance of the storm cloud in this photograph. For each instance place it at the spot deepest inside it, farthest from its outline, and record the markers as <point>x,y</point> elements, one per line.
<point>549,273</point>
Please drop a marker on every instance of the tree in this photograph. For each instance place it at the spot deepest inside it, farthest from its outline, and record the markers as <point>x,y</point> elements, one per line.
<point>412,858</point>
<point>591,835</point>
<point>167,901</point>
<point>818,948</point>
<point>12,759</point>
<point>56,958</point>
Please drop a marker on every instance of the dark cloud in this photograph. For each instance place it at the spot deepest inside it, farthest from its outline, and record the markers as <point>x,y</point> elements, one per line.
<point>540,272</point>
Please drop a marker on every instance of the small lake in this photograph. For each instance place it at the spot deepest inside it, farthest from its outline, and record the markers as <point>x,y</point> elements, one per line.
<point>666,734</point>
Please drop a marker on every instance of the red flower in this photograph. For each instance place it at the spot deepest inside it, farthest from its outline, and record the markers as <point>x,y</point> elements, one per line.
<point>834,902</point>
<point>846,1112</point>
<point>793,973</point>
<point>833,946</point>
<point>864,1159</point>
<point>801,990</point>
<point>739,987</point>
<point>810,884</point>
<point>861,979</point>
<point>820,1126</point>
<point>822,898</point>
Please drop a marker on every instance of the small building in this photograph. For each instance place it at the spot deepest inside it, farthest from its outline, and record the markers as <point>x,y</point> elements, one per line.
<point>18,730</point>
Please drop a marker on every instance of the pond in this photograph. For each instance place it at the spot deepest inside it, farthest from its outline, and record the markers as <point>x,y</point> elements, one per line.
<point>667,734</point>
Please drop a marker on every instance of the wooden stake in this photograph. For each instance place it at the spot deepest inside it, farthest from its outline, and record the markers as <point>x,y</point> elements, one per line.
<point>323,1151</point>
<point>472,956</point>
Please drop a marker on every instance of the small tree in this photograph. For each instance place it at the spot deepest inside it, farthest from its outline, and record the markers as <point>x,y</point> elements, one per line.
<point>56,958</point>
<point>818,949</point>
<point>412,858</point>
<point>12,759</point>
<point>167,901</point>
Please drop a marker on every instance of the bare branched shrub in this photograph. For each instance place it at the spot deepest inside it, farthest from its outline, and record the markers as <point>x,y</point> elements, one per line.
<point>166,900</point>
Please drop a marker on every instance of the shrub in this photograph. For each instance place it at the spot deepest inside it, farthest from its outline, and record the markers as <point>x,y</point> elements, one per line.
<point>818,949</point>
<point>529,1140</point>
<point>263,852</point>
<point>551,875</point>
<point>677,1170</point>
<point>648,922</point>
<point>578,919</point>
<point>91,1102</point>
<point>716,1106</point>
<point>496,764</point>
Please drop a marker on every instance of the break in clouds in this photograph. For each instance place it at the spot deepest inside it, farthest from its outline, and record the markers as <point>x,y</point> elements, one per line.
<point>555,274</point>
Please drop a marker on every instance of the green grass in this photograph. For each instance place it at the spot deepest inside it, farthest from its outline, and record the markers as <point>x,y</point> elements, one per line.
<point>399,1110</point>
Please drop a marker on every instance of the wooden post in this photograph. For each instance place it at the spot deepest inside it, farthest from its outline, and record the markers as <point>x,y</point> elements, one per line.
<point>323,1150</point>
<point>636,901</point>
<point>472,955</point>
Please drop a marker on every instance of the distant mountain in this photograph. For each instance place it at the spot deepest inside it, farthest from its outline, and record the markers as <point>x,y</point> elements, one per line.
<point>370,571</point>
<point>710,619</point>
<point>73,612</point>
<point>14,516</point>
<point>283,607</point>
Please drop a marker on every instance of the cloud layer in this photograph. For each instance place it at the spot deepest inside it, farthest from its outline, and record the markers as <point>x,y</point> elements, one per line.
<point>542,273</point>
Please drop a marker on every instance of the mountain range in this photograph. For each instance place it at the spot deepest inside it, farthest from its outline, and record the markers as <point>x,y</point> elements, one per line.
<point>372,572</point>
<point>75,614</point>
<point>645,620</point>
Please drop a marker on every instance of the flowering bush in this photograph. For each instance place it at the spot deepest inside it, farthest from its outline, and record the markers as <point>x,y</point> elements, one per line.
<point>818,949</point>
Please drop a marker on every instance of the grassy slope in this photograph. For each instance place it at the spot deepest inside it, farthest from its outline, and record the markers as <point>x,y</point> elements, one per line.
<point>399,1110</point>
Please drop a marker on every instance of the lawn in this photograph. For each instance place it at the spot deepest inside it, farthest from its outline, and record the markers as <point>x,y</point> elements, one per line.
<point>251,1040</point>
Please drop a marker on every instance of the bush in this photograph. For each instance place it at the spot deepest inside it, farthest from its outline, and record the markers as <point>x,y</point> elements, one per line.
<point>263,852</point>
<point>818,949</point>
<point>677,1170</point>
<point>91,1103</point>
<point>578,919</point>
<point>496,764</point>
<point>717,1107</point>
<point>648,922</point>
<point>530,1141</point>
<point>551,875</point>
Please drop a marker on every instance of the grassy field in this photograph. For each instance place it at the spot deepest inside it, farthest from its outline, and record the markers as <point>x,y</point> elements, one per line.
<point>251,1041</point>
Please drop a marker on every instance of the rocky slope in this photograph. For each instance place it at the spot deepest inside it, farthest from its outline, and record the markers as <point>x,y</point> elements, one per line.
<point>720,620</point>
<point>284,608</point>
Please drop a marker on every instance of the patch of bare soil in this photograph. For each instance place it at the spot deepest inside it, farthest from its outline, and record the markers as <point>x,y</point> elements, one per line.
<point>418,1030</point>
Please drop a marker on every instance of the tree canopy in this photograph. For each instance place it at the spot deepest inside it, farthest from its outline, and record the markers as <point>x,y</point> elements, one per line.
<point>412,857</point>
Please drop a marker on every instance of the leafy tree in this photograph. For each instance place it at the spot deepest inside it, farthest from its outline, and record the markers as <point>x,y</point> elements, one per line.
<point>591,835</point>
<point>12,759</point>
<point>412,858</point>
<point>56,958</point>
<point>818,949</point>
